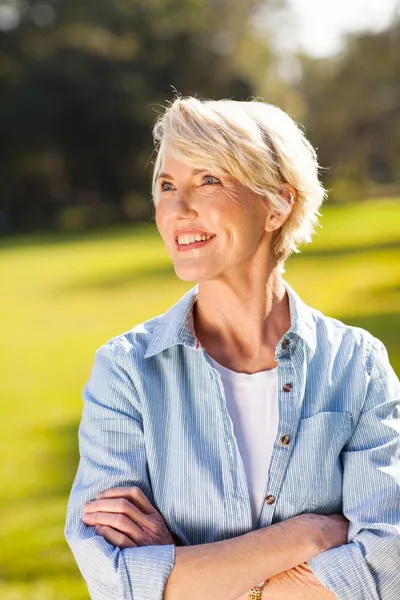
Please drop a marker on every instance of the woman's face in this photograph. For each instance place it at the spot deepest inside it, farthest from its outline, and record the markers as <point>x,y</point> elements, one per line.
<point>196,200</point>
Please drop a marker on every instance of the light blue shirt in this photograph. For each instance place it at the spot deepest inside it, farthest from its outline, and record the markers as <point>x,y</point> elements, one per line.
<point>155,416</point>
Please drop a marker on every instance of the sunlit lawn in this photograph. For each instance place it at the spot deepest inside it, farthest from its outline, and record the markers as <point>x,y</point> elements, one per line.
<point>63,297</point>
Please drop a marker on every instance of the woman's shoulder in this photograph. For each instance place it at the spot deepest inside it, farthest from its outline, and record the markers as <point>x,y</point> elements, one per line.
<point>159,332</point>
<point>132,343</point>
<point>351,340</point>
<point>330,338</point>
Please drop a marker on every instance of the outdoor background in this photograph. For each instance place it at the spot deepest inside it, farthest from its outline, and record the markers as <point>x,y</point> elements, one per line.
<point>81,83</point>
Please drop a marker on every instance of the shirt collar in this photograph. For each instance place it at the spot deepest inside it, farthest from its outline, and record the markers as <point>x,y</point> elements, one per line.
<point>176,325</point>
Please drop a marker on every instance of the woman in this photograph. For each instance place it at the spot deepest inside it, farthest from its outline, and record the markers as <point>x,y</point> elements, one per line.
<point>228,435</point>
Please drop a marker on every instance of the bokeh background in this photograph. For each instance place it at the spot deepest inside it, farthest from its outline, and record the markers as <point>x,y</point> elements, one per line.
<point>81,83</point>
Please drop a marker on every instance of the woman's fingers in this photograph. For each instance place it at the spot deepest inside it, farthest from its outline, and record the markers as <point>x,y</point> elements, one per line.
<point>131,513</point>
<point>114,537</point>
<point>117,521</point>
<point>134,494</point>
<point>117,505</point>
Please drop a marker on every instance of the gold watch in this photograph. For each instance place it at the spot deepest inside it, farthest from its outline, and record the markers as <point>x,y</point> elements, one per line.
<point>255,592</point>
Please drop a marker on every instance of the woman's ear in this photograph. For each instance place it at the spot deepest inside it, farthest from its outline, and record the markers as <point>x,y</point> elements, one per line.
<point>288,192</point>
<point>276,220</point>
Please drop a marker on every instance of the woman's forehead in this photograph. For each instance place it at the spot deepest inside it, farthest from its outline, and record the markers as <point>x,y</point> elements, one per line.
<point>173,166</point>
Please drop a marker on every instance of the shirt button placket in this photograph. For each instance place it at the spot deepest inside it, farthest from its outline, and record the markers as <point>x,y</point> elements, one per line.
<point>287,369</point>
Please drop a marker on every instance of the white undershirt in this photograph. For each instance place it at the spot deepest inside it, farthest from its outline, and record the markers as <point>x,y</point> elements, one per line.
<point>252,403</point>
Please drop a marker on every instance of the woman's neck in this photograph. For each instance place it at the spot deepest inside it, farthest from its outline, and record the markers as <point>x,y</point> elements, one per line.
<point>241,322</point>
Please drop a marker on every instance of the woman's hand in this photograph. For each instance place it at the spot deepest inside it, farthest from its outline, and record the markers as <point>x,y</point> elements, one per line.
<point>300,583</point>
<point>126,518</point>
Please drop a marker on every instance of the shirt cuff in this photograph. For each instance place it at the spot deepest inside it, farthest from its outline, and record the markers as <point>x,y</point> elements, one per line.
<point>344,571</point>
<point>146,571</point>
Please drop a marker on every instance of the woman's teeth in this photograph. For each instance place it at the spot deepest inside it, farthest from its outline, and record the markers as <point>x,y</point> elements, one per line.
<point>190,239</point>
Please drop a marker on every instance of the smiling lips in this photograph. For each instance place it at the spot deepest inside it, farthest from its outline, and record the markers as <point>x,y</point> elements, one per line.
<point>191,231</point>
<point>190,239</point>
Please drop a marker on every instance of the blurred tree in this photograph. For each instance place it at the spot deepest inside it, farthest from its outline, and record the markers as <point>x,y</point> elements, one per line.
<point>353,103</point>
<point>80,85</point>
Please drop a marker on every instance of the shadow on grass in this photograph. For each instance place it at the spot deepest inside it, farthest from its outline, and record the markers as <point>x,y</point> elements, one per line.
<point>148,229</point>
<point>145,275</point>
<point>60,462</point>
<point>133,231</point>
<point>42,552</point>
<point>130,277</point>
<point>380,292</point>
<point>335,251</point>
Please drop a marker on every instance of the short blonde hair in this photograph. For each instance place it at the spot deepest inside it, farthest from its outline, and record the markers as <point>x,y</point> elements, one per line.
<point>256,143</point>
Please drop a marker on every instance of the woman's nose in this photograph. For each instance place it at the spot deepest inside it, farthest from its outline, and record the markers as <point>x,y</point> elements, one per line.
<point>183,206</point>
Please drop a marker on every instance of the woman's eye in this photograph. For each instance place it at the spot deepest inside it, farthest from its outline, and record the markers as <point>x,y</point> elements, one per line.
<point>211,179</point>
<point>166,186</point>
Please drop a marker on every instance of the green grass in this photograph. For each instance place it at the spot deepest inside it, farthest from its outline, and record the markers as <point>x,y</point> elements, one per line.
<point>63,296</point>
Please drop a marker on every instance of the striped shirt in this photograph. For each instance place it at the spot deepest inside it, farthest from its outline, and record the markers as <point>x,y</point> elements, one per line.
<point>155,416</point>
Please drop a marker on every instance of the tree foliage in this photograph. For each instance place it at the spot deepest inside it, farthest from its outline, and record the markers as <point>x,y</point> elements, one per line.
<point>353,104</point>
<point>81,83</point>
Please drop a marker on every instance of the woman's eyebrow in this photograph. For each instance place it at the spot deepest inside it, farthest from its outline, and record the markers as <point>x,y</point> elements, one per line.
<point>194,172</point>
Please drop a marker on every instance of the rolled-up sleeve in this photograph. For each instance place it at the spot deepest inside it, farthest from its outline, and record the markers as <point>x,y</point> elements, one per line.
<point>368,566</point>
<point>112,453</point>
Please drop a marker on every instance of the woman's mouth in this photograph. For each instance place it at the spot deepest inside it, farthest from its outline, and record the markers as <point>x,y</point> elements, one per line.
<point>193,245</point>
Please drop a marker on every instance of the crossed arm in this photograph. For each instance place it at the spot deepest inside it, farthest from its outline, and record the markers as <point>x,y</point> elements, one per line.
<point>126,518</point>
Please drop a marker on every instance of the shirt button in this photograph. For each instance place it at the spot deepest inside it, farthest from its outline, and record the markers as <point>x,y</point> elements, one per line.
<point>287,387</point>
<point>285,343</point>
<point>285,440</point>
<point>270,499</point>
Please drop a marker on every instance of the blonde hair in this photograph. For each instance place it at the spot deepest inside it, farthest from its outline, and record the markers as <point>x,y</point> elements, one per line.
<point>256,143</point>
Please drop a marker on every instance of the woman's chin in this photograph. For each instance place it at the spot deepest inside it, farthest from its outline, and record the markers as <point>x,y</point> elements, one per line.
<point>192,274</point>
